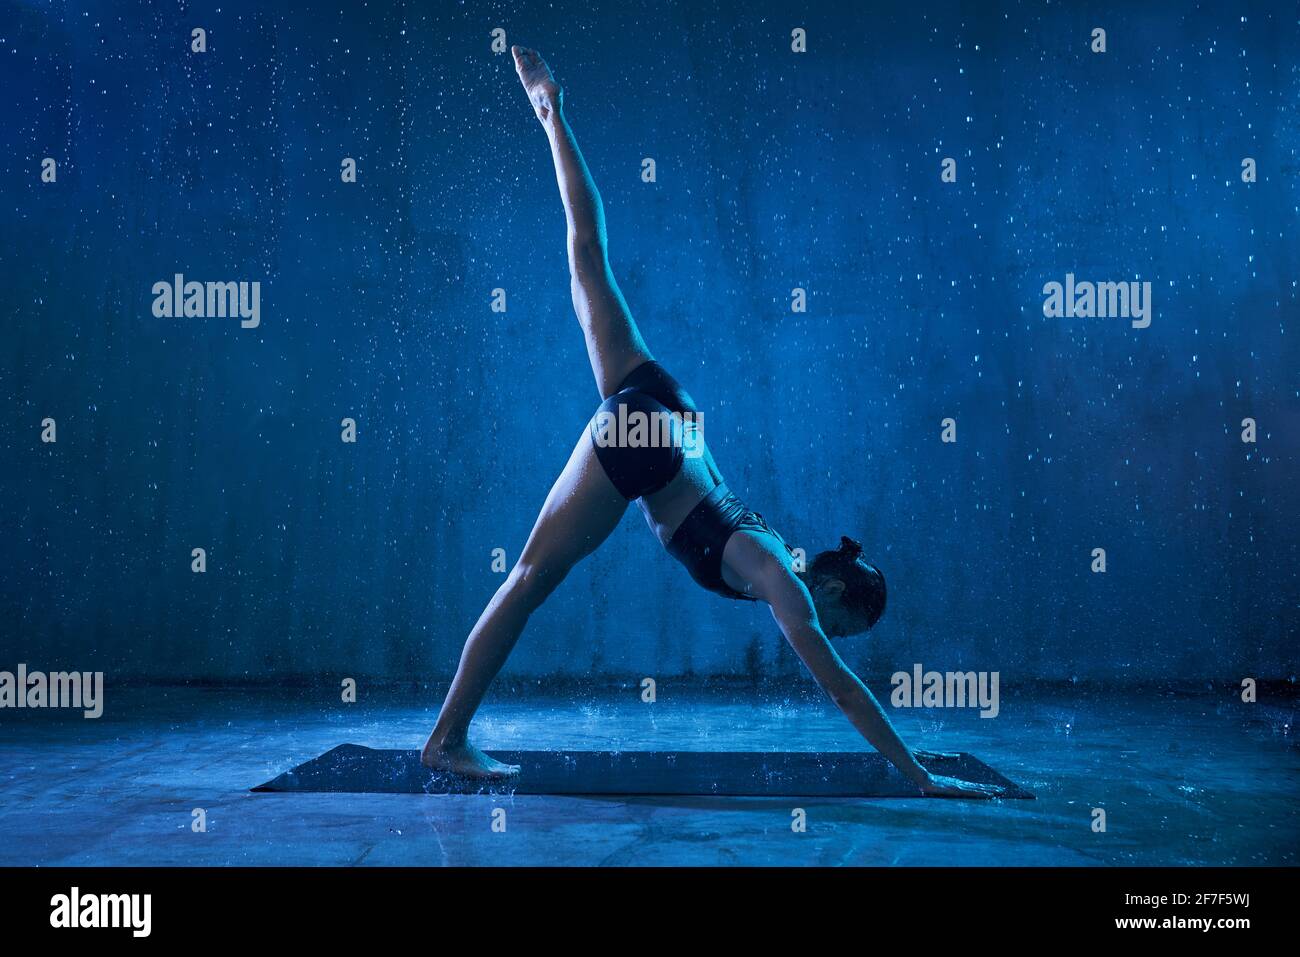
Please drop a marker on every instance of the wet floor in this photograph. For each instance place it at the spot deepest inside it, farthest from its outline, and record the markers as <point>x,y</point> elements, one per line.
<point>1182,779</point>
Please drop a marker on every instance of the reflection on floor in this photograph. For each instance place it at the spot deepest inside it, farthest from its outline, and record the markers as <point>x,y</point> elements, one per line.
<point>1182,778</point>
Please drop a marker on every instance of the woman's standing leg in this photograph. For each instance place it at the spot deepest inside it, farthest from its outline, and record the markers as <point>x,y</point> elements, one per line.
<point>583,507</point>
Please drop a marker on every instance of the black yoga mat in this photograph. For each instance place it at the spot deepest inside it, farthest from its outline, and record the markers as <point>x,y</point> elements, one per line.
<point>352,768</point>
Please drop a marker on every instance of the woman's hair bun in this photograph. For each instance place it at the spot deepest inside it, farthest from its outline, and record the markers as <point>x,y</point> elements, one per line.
<point>849,547</point>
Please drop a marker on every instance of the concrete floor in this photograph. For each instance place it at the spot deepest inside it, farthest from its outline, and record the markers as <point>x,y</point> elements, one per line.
<point>1184,779</point>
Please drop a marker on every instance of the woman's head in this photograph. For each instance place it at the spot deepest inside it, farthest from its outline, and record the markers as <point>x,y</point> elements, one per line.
<point>849,591</point>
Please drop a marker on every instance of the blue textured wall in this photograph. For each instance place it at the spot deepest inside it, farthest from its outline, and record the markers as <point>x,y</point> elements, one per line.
<point>775,170</point>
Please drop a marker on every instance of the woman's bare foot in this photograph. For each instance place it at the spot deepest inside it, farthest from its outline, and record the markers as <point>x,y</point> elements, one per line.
<point>539,83</point>
<point>466,760</point>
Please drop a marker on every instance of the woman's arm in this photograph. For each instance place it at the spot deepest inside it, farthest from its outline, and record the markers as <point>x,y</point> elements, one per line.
<point>768,569</point>
<point>795,614</point>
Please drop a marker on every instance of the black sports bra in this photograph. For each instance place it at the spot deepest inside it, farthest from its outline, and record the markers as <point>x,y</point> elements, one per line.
<point>700,540</point>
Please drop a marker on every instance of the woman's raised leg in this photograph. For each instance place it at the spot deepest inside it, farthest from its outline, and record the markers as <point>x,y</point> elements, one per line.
<point>614,343</point>
<point>583,507</point>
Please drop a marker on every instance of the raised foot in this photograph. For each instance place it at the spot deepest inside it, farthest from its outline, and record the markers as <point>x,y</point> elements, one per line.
<point>467,761</point>
<point>539,83</point>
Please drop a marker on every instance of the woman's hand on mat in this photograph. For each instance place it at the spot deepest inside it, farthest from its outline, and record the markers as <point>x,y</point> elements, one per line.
<point>938,785</point>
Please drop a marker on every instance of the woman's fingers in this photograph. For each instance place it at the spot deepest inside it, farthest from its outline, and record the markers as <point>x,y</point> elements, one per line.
<point>955,787</point>
<point>938,755</point>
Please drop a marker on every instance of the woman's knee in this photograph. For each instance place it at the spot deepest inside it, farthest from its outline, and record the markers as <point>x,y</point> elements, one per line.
<point>532,583</point>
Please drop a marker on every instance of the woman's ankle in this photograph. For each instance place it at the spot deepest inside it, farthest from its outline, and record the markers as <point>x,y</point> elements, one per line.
<point>445,740</point>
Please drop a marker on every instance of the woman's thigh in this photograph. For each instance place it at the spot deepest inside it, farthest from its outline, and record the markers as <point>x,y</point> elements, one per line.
<point>581,510</point>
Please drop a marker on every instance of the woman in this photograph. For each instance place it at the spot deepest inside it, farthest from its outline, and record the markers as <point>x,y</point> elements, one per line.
<point>726,547</point>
